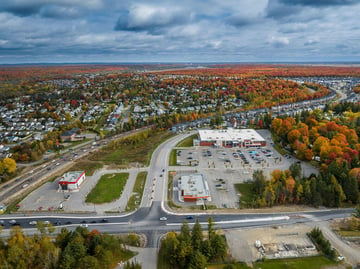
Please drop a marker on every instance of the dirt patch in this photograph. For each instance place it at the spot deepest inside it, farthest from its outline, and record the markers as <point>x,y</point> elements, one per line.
<point>249,245</point>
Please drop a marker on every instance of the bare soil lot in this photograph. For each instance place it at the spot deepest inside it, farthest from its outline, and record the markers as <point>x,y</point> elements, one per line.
<point>276,242</point>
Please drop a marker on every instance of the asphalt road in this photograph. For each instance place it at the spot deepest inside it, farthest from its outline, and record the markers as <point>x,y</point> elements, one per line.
<point>146,219</point>
<point>22,182</point>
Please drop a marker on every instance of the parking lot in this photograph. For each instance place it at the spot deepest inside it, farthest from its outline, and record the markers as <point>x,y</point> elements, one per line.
<point>49,198</point>
<point>224,167</point>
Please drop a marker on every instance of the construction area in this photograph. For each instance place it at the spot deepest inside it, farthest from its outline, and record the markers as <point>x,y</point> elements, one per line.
<point>278,242</point>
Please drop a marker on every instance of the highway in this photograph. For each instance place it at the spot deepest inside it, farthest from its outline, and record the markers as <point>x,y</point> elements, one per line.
<point>146,219</point>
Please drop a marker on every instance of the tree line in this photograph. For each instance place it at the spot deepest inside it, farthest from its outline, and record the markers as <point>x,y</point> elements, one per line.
<point>190,248</point>
<point>80,248</point>
<point>331,188</point>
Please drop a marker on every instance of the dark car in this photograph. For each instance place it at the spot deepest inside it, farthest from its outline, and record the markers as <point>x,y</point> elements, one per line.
<point>189,217</point>
<point>68,222</point>
<point>104,220</point>
<point>58,222</point>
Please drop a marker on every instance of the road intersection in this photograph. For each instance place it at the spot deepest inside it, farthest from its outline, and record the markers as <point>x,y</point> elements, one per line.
<point>153,206</point>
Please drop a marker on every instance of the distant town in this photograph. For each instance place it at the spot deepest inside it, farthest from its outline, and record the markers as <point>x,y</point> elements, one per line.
<point>263,157</point>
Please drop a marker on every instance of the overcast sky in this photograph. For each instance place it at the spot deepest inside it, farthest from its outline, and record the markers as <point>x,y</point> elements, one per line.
<point>179,30</point>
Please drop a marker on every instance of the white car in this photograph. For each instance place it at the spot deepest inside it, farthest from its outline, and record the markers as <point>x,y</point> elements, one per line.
<point>84,225</point>
<point>163,218</point>
<point>46,222</point>
<point>33,222</point>
<point>12,221</point>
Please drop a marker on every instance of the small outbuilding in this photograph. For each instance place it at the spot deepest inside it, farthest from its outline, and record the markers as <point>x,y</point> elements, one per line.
<point>194,188</point>
<point>71,180</point>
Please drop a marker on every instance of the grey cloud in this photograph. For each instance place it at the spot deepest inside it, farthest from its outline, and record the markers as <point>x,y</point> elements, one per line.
<point>310,42</point>
<point>320,3</point>
<point>151,19</point>
<point>25,8</point>
<point>60,12</point>
<point>21,10</point>
<point>293,28</point>
<point>240,21</point>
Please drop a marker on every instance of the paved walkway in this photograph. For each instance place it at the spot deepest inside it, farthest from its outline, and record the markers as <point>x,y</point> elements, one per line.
<point>147,257</point>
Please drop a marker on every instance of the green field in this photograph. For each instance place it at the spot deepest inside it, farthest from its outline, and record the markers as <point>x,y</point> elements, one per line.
<point>221,266</point>
<point>127,152</point>
<point>87,166</point>
<point>317,262</point>
<point>187,142</point>
<point>135,199</point>
<point>108,188</point>
<point>172,158</point>
<point>248,196</point>
<point>346,233</point>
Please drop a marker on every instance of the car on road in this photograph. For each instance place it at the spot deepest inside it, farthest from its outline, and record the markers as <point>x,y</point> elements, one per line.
<point>84,225</point>
<point>189,217</point>
<point>163,218</point>
<point>33,222</point>
<point>46,222</point>
<point>2,223</point>
<point>68,222</point>
<point>13,222</point>
<point>104,220</point>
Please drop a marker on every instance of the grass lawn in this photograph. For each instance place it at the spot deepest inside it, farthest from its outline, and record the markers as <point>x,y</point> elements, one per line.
<point>88,167</point>
<point>235,266</point>
<point>139,185</point>
<point>172,158</point>
<point>345,233</point>
<point>108,188</point>
<point>75,143</point>
<point>170,201</point>
<point>12,207</point>
<point>126,153</point>
<point>316,262</point>
<point>248,196</point>
<point>187,142</point>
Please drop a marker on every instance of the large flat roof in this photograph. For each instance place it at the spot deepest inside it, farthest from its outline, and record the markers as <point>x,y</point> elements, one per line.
<point>230,134</point>
<point>71,177</point>
<point>194,185</point>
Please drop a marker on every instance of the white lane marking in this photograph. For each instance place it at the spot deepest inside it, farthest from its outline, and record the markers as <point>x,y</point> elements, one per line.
<point>238,221</point>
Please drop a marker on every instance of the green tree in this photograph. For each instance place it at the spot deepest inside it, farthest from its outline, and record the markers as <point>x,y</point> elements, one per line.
<point>198,261</point>
<point>88,262</point>
<point>296,171</point>
<point>218,246</point>
<point>259,181</point>
<point>196,236</point>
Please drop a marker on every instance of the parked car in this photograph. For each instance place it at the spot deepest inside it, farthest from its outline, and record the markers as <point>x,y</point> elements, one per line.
<point>33,222</point>
<point>163,218</point>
